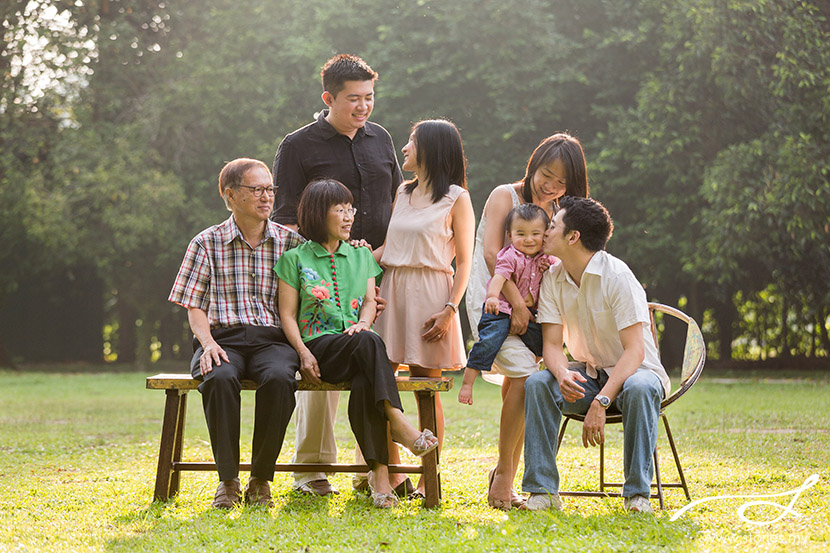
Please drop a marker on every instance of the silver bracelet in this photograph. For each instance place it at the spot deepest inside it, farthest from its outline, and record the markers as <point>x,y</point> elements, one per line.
<point>452,306</point>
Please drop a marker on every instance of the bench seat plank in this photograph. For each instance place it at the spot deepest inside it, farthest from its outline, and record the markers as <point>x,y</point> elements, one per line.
<point>405,384</point>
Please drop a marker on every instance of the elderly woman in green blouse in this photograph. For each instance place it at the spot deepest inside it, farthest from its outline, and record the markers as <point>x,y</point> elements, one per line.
<point>327,306</point>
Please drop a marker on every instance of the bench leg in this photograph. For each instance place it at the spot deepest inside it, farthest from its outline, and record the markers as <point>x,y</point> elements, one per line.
<point>431,475</point>
<point>172,429</point>
<point>178,442</point>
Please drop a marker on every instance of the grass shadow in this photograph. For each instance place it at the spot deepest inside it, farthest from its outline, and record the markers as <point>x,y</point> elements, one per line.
<point>349,523</point>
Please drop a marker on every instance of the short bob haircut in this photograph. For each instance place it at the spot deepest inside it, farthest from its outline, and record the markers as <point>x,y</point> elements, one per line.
<point>342,68</point>
<point>439,150</point>
<point>590,218</point>
<point>318,197</point>
<point>233,173</point>
<point>526,212</point>
<point>568,150</point>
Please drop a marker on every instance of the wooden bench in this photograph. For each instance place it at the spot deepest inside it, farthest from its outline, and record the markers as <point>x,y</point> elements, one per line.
<point>170,463</point>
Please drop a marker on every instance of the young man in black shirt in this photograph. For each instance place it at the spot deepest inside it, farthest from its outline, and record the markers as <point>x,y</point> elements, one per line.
<point>341,144</point>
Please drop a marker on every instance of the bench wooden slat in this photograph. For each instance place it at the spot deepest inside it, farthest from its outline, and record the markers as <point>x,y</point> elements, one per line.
<point>302,467</point>
<point>405,384</point>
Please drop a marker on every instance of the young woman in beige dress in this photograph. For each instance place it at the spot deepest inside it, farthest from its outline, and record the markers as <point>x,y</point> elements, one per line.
<point>432,223</point>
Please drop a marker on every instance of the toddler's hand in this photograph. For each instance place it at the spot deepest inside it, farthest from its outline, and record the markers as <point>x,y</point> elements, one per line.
<point>491,306</point>
<point>544,263</point>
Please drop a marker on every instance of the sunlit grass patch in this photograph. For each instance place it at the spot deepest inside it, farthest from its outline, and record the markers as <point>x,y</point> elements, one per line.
<point>78,456</point>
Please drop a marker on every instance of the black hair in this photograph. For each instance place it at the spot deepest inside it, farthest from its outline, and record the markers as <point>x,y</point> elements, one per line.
<point>568,150</point>
<point>590,218</point>
<point>439,150</point>
<point>318,197</point>
<point>342,68</point>
<point>526,212</point>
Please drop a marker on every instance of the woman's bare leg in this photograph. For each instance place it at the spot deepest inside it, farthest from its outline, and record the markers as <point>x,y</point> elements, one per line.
<point>511,434</point>
<point>402,430</point>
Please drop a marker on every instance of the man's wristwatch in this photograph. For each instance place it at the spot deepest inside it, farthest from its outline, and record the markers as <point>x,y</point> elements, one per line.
<point>603,400</point>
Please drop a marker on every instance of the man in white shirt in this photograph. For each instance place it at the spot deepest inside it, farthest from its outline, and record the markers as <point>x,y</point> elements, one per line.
<point>592,302</point>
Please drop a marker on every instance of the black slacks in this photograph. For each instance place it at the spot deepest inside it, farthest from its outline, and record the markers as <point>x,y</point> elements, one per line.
<point>257,353</point>
<point>361,359</point>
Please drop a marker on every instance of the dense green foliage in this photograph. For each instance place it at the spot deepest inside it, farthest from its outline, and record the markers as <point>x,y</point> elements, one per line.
<point>79,466</point>
<point>706,125</point>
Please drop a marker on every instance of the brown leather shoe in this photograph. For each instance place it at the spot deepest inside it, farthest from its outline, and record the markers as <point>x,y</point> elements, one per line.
<point>258,492</point>
<point>227,495</point>
<point>317,487</point>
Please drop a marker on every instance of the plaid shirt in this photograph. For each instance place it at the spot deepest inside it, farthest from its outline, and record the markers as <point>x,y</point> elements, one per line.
<point>232,282</point>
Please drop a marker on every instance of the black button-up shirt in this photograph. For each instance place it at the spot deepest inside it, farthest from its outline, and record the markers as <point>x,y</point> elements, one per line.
<point>366,164</point>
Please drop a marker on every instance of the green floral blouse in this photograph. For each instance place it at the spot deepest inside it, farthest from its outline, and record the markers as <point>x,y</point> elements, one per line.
<point>331,286</point>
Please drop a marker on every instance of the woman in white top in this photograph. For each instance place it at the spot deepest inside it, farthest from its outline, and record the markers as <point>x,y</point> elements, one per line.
<point>556,168</point>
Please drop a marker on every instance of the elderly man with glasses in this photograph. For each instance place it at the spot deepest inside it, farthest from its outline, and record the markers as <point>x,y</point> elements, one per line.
<point>228,286</point>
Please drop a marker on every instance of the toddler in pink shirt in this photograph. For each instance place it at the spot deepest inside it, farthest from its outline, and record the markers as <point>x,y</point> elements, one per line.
<point>523,263</point>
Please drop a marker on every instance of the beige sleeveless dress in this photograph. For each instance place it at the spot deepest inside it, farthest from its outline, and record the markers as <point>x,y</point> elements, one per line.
<point>417,281</point>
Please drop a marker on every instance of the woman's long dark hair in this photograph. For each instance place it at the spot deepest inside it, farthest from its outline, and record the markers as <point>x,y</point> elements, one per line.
<point>440,153</point>
<point>568,150</point>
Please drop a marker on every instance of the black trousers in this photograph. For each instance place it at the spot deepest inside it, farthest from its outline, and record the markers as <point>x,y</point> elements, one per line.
<point>257,353</point>
<point>361,359</point>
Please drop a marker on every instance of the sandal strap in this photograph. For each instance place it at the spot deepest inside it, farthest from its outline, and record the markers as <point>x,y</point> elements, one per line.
<point>422,445</point>
<point>384,500</point>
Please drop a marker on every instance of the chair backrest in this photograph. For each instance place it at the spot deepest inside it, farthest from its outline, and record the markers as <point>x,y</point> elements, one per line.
<point>694,352</point>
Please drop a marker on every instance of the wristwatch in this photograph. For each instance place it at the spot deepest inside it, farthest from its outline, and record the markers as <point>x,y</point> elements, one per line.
<point>603,400</point>
<point>452,306</point>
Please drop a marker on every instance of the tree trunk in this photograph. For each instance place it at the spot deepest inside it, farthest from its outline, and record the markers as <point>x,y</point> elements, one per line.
<point>5,358</point>
<point>127,337</point>
<point>785,329</point>
<point>144,335</point>
<point>822,331</point>
<point>725,314</point>
<point>169,334</point>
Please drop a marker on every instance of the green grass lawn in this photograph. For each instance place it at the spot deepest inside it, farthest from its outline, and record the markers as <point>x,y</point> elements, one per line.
<point>78,460</point>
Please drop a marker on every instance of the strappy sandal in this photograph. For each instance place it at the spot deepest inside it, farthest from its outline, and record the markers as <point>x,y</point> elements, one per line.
<point>422,446</point>
<point>381,500</point>
<point>500,504</point>
<point>384,500</point>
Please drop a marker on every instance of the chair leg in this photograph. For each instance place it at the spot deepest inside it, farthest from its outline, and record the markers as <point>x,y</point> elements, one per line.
<point>602,466</point>
<point>659,482</point>
<point>562,434</point>
<point>676,458</point>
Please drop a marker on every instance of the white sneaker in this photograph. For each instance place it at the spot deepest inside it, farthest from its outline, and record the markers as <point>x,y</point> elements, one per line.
<point>637,504</point>
<point>543,501</point>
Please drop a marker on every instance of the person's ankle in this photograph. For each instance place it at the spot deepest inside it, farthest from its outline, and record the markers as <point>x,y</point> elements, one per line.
<point>396,479</point>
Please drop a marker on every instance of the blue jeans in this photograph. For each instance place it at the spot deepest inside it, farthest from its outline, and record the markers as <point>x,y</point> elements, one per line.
<point>492,332</point>
<point>639,403</point>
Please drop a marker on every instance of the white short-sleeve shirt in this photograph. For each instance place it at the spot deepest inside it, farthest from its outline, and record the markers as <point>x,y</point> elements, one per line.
<point>608,300</point>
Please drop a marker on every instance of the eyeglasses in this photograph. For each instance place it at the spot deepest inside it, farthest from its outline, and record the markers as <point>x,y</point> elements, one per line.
<point>258,190</point>
<point>340,211</point>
